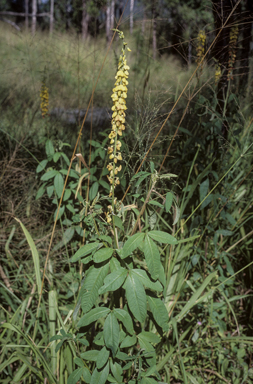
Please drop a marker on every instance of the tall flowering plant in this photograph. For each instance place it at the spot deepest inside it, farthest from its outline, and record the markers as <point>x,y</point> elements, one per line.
<point>121,295</point>
<point>119,96</point>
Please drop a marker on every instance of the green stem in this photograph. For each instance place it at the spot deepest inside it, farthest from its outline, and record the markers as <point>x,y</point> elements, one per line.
<point>113,185</point>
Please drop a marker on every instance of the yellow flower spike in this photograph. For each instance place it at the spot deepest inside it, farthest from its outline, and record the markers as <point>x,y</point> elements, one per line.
<point>201,40</point>
<point>44,106</point>
<point>232,51</point>
<point>119,95</point>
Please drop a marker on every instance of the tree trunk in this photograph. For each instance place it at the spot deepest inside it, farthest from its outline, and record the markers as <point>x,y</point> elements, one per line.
<point>154,12</point>
<point>34,16</point>
<point>51,17</point>
<point>26,14</point>
<point>143,22</point>
<point>85,21</point>
<point>112,14</point>
<point>68,9</point>
<point>131,15</point>
<point>246,40</point>
<point>108,22</point>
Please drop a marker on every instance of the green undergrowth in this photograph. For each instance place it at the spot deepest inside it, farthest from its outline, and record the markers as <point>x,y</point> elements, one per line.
<point>143,276</point>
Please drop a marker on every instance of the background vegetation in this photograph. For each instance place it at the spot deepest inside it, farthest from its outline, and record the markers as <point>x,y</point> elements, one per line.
<point>187,158</point>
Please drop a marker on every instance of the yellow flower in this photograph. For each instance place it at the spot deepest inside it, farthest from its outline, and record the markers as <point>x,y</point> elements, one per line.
<point>44,99</point>
<point>119,95</point>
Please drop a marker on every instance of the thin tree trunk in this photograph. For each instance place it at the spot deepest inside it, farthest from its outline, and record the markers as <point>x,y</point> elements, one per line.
<point>154,11</point>
<point>131,15</point>
<point>26,14</point>
<point>68,9</point>
<point>108,21</point>
<point>246,26</point>
<point>34,16</point>
<point>85,21</point>
<point>51,16</point>
<point>143,22</point>
<point>112,14</point>
<point>121,7</point>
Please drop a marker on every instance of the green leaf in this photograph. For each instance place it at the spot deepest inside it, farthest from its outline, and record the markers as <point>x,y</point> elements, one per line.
<point>114,264</point>
<point>125,318</point>
<point>118,223</point>
<point>103,357</point>
<point>75,376</point>
<point>56,156</point>
<point>168,201</point>
<point>128,341</point>
<point>149,337</point>
<point>152,257</point>
<point>100,377</point>
<point>108,239</point>
<point>49,148</point>
<point>114,280</point>
<point>67,236</point>
<point>35,255</point>
<point>40,192</point>
<point>224,232</point>
<point>50,190</point>
<point>105,185</point>
<point>93,315</point>
<point>136,297</point>
<point>90,355</point>
<point>42,165</point>
<point>86,375</point>
<point>144,344</point>
<point>61,211</point>
<point>84,251</point>
<point>67,194</point>
<point>58,184</point>
<point>116,371</point>
<point>162,237</point>
<point>89,291</point>
<point>111,333</point>
<point>143,277</point>
<point>203,189</point>
<point>148,380</point>
<point>49,175</point>
<point>132,243</point>
<point>156,203</point>
<point>123,356</point>
<point>159,312</point>
<point>142,176</point>
<point>102,255</point>
<point>94,190</point>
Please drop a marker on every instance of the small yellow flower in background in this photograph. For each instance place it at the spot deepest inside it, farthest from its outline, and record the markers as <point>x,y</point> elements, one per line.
<point>201,41</point>
<point>232,50</point>
<point>119,96</point>
<point>217,73</point>
<point>44,104</point>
